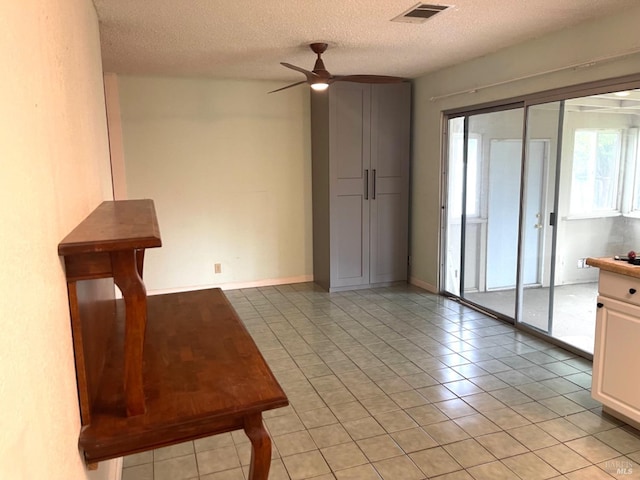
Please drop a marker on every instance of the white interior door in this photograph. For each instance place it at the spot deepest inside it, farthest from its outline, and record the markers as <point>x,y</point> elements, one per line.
<point>534,209</point>
<point>503,209</point>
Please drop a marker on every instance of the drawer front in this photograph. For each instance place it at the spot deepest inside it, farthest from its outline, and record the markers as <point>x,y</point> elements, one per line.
<point>621,287</point>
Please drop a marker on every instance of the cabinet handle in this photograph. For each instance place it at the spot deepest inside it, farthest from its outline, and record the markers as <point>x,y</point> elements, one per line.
<point>632,291</point>
<point>366,184</point>
<point>374,184</point>
<point>600,305</point>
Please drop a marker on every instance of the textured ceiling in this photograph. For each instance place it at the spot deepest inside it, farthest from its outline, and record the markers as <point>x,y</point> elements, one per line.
<point>247,40</point>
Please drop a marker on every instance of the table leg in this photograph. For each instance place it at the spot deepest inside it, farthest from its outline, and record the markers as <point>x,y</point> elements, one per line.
<point>127,278</point>
<point>260,447</point>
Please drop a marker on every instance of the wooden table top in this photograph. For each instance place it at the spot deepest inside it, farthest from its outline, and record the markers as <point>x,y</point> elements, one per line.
<point>202,374</point>
<point>621,267</point>
<point>119,225</point>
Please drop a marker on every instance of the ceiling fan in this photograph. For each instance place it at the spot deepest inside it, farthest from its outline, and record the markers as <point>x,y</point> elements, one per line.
<point>320,79</point>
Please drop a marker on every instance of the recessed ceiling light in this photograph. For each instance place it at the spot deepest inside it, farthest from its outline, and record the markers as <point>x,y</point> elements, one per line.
<point>625,93</point>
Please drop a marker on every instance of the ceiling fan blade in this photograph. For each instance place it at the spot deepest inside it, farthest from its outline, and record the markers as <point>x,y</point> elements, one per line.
<point>288,86</point>
<point>367,79</point>
<point>310,75</point>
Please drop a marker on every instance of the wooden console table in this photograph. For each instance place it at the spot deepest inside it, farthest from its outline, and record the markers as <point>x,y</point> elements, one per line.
<point>155,371</point>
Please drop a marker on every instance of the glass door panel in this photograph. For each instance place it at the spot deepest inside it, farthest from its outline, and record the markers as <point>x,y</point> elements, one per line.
<point>597,216</point>
<point>455,188</point>
<point>539,204</point>
<point>490,225</point>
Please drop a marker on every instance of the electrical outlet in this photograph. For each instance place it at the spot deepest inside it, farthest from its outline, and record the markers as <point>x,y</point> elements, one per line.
<point>582,263</point>
<point>217,268</point>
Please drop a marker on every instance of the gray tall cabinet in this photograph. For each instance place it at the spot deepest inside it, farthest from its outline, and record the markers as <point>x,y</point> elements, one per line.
<point>361,148</point>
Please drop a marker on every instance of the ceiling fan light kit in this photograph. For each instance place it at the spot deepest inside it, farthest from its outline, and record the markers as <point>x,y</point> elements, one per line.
<point>319,86</point>
<point>319,78</point>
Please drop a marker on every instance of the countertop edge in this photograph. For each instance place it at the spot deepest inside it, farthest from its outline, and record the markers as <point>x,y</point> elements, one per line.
<point>620,267</point>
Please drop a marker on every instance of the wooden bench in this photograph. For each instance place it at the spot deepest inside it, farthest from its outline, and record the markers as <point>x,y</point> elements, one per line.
<point>155,371</point>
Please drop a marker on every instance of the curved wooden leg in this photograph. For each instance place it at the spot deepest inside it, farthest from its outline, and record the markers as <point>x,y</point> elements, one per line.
<point>260,447</point>
<point>126,275</point>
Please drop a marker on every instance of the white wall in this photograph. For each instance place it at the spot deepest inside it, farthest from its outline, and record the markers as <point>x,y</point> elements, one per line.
<point>54,171</point>
<point>229,169</point>
<point>609,36</point>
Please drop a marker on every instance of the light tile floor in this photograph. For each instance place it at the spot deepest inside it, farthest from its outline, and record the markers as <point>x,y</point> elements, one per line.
<point>399,384</point>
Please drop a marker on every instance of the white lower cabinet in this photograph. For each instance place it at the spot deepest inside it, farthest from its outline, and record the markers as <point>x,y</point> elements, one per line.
<point>616,357</point>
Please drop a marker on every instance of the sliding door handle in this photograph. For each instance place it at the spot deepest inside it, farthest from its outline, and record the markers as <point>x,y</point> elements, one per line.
<point>366,184</point>
<point>374,184</point>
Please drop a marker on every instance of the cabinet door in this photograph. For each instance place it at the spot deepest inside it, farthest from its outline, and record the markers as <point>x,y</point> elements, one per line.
<point>617,356</point>
<point>390,144</point>
<point>349,153</point>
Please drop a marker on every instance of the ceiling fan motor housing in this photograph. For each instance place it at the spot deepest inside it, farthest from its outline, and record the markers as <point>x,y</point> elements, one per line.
<point>318,68</point>
<point>319,48</point>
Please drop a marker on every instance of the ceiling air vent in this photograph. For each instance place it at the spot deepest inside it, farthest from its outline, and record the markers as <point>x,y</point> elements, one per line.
<point>420,13</point>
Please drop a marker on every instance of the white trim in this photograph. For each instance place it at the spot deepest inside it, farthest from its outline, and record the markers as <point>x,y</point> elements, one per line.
<point>424,285</point>
<point>238,285</point>
<point>574,66</point>
<point>116,473</point>
<point>593,215</point>
<point>107,470</point>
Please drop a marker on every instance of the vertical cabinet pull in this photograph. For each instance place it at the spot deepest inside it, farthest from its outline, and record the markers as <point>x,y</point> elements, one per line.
<point>374,184</point>
<point>366,184</point>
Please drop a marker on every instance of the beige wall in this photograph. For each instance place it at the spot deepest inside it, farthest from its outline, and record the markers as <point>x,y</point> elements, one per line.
<point>54,171</point>
<point>237,160</point>
<point>229,169</point>
<point>604,38</point>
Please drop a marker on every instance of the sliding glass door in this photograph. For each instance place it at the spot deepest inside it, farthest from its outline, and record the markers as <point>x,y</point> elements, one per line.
<point>531,192</point>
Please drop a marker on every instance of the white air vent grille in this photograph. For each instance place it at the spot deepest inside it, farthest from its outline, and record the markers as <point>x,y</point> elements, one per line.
<point>420,13</point>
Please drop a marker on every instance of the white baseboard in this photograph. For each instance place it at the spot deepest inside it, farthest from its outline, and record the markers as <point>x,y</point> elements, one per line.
<point>107,470</point>
<point>270,282</point>
<point>116,473</point>
<point>424,285</point>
